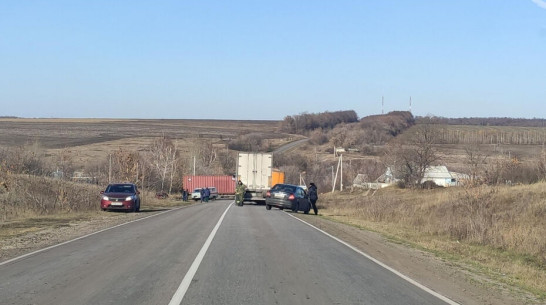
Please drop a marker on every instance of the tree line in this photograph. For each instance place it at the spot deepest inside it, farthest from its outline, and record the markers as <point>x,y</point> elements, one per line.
<point>305,122</point>
<point>491,121</point>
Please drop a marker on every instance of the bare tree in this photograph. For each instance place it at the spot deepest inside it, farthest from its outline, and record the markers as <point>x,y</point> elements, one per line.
<point>125,165</point>
<point>207,153</point>
<point>475,159</point>
<point>65,162</point>
<point>163,155</point>
<point>410,160</point>
<point>228,161</point>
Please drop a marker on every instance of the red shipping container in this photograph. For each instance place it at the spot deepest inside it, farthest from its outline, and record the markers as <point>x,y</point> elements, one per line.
<point>224,184</point>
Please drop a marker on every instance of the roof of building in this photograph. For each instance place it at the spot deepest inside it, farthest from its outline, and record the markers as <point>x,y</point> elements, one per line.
<point>437,172</point>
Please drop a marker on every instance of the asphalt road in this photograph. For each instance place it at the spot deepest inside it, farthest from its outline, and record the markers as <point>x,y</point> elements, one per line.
<point>254,256</point>
<point>290,146</point>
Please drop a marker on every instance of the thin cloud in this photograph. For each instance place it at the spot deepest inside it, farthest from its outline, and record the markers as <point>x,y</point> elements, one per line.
<point>540,3</point>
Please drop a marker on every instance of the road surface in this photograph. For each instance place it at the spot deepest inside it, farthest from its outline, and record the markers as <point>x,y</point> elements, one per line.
<point>290,146</point>
<point>210,253</point>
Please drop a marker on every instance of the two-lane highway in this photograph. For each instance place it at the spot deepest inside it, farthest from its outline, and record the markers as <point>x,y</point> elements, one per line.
<point>255,257</point>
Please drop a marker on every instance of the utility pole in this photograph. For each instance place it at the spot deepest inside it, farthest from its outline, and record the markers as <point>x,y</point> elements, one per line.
<point>194,165</point>
<point>410,104</point>
<point>332,175</point>
<point>110,168</point>
<point>341,177</point>
<point>339,164</point>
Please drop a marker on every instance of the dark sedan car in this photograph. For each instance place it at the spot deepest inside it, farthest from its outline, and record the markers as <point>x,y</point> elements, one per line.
<point>287,196</point>
<point>120,196</point>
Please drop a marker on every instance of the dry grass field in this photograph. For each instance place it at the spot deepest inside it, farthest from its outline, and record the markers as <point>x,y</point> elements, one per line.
<point>497,229</point>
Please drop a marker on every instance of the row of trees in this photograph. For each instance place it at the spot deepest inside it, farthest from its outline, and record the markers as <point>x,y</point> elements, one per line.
<point>512,122</point>
<point>483,135</point>
<point>305,122</point>
<point>368,132</point>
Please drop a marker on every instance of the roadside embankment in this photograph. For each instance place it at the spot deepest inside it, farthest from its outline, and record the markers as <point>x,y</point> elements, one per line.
<point>498,230</point>
<point>36,212</point>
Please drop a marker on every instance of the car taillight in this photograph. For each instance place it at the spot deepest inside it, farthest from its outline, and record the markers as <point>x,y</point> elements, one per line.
<point>291,197</point>
<point>268,194</point>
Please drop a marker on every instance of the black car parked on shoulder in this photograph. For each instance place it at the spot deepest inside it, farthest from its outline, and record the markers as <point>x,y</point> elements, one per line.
<point>287,196</point>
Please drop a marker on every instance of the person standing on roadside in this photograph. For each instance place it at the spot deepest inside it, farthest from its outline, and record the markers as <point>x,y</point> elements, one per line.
<point>202,194</point>
<point>185,195</point>
<point>313,197</point>
<point>240,190</point>
<point>207,194</point>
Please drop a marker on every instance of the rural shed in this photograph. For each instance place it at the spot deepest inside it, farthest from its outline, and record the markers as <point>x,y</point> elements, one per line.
<point>440,175</point>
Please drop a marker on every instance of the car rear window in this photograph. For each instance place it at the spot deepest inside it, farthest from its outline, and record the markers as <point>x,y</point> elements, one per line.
<point>284,188</point>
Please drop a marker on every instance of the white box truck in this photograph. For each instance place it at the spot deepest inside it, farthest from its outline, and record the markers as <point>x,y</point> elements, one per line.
<point>255,171</point>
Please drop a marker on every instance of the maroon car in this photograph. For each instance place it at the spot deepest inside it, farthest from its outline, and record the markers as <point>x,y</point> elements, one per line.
<point>120,196</point>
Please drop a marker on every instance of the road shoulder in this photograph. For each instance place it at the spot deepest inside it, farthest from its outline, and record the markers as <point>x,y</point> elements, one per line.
<point>459,282</point>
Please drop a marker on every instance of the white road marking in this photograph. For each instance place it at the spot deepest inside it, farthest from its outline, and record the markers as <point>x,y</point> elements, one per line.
<point>186,281</point>
<point>82,237</point>
<point>408,279</point>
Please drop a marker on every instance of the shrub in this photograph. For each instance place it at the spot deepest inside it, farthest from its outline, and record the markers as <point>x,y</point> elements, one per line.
<point>34,195</point>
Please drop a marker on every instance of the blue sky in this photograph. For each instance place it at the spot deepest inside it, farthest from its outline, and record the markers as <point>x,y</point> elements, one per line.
<point>269,59</point>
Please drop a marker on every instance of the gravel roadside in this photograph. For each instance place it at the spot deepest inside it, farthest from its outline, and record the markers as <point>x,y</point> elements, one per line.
<point>21,244</point>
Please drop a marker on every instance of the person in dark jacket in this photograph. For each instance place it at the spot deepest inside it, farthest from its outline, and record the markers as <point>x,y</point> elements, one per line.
<point>202,194</point>
<point>313,197</point>
<point>185,195</point>
<point>207,194</point>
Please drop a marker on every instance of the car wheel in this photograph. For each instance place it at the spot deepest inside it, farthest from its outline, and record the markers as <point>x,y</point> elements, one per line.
<point>267,207</point>
<point>103,209</point>
<point>281,209</point>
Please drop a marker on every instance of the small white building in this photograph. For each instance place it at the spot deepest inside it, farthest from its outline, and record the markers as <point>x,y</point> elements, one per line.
<point>440,175</point>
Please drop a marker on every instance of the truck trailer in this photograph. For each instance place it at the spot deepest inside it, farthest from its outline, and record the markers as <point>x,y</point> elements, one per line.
<point>255,170</point>
<point>224,184</point>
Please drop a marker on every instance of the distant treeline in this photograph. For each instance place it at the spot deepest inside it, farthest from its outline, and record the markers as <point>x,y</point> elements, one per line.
<point>392,123</point>
<point>305,122</point>
<point>364,133</point>
<point>491,135</point>
<point>515,122</point>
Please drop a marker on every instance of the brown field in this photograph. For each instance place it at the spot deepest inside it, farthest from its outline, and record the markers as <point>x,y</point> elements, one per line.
<point>62,133</point>
<point>91,139</point>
